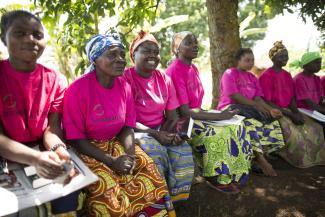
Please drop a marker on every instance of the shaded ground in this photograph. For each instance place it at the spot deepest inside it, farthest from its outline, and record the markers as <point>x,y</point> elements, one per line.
<point>294,193</point>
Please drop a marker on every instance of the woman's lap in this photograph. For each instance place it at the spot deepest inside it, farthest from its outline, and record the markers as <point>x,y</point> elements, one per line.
<point>127,194</point>
<point>221,150</point>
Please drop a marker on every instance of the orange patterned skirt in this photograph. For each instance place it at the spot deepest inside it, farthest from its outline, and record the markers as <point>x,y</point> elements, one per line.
<point>123,195</point>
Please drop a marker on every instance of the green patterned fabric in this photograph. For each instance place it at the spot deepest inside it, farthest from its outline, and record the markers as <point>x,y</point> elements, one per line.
<point>222,151</point>
<point>265,138</point>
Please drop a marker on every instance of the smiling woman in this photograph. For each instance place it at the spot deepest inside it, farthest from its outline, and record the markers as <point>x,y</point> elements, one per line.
<point>32,100</point>
<point>155,104</point>
<point>99,122</point>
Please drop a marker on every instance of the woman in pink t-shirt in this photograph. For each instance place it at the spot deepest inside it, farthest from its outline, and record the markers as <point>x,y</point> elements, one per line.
<point>240,89</point>
<point>304,138</point>
<point>223,153</point>
<point>31,101</point>
<point>155,105</point>
<point>308,86</point>
<point>99,117</point>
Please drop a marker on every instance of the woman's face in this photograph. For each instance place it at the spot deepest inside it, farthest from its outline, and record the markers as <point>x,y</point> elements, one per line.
<point>146,57</point>
<point>246,62</point>
<point>111,62</point>
<point>281,58</point>
<point>313,66</point>
<point>25,40</point>
<point>189,47</point>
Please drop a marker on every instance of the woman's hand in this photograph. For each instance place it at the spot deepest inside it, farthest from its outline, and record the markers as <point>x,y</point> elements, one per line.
<point>63,154</point>
<point>48,165</point>
<point>165,138</point>
<point>276,113</point>
<point>224,115</point>
<point>263,110</point>
<point>123,164</point>
<point>297,118</point>
<point>177,140</point>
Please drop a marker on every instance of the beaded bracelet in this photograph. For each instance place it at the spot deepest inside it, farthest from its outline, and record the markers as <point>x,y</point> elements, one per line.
<point>56,146</point>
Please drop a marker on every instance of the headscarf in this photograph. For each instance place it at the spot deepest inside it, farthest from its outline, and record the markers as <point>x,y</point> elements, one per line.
<point>98,44</point>
<point>177,40</point>
<point>277,48</point>
<point>306,58</point>
<point>309,57</point>
<point>141,37</point>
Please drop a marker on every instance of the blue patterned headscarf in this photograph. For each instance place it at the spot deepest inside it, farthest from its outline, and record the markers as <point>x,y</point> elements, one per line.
<point>98,44</point>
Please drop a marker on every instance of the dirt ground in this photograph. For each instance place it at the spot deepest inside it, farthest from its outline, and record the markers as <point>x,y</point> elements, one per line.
<point>293,193</point>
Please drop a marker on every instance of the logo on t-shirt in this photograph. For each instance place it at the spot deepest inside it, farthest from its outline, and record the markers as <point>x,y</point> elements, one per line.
<point>191,85</point>
<point>99,110</point>
<point>99,115</point>
<point>9,101</point>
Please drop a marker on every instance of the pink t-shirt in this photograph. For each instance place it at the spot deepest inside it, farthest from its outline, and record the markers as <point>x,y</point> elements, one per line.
<point>187,83</point>
<point>277,87</point>
<point>27,99</point>
<point>94,112</point>
<point>152,96</point>
<point>234,81</point>
<point>307,87</point>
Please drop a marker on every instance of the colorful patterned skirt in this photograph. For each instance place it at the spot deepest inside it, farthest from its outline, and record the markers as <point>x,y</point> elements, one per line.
<point>265,138</point>
<point>124,195</point>
<point>222,151</point>
<point>175,163</point>
<point>305,145</point>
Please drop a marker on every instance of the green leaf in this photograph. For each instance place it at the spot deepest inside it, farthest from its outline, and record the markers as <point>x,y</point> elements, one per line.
<point>164,23</point>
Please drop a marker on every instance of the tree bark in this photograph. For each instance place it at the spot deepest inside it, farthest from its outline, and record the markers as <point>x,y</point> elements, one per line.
<point>224,39</point>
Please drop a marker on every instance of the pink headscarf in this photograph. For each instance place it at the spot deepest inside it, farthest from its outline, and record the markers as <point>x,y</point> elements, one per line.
<point>141,37</point>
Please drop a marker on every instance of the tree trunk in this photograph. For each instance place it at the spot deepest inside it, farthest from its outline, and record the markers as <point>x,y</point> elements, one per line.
<point>224,39</point>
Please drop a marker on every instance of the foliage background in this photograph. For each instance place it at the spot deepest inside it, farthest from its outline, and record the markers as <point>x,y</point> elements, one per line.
<point>71,23</point>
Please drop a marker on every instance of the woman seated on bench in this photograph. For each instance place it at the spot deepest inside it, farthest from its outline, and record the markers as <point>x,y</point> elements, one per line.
<point>223,153</point>
<point>240,89</point>
<point>305,145</point>
<point>31,102</point>
<point>155,104</point>
<point>99,117</point>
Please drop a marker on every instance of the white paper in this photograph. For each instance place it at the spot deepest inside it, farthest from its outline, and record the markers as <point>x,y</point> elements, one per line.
<point>235,120</point>
<point>22,195</point>
<point>313,114</point>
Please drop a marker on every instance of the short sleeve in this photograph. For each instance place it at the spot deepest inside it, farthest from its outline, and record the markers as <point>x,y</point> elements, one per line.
<point>130,117</point>
<point>74,115</point>
<point>259,91</point>
<point>228,83</point>
<point>301,89</point>
<point>180,88</point>
<point>57,103</point>
<point>172,102</point>
<point>290,83</point>
<point>266,86</point>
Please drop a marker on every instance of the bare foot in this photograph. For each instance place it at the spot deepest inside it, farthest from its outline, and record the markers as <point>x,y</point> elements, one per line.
<point>265,165</point>
<point>268,169</point>
<point>198,180</point>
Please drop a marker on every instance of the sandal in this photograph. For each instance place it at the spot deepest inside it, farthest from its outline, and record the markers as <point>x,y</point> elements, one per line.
<point>226,189</point>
